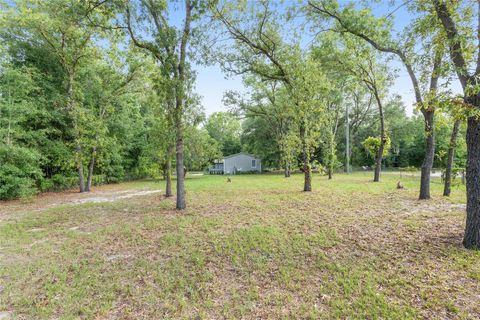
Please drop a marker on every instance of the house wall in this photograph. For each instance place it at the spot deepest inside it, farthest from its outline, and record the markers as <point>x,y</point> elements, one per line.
<point>242,162</point>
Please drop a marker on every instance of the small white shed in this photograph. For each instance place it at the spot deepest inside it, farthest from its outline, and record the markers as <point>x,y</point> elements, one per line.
<point>241,162</point>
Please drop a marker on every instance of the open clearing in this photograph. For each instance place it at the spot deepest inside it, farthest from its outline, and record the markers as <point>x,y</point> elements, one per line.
<point>254,248</point>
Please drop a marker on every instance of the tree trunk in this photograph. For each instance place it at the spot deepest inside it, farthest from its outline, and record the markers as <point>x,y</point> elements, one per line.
<point>331,153</point>
<point>383,138</point>
<point>378,161</point>
<point>81,177</point>
<point>91,165</point>
<point>287,169</point>
<point>168,181</point>
<point>168,172</point>
<point>451,156</point>
<point>471,239</point>
<point>180,169</point>
<point>429,154</point>
<point>180,94</point>
<point>307,185</point>
<point>179,155</point>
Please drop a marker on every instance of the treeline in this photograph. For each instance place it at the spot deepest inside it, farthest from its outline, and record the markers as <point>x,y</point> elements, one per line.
<point>406,135</point>
<point>77,110</point>
<point>117,127</point>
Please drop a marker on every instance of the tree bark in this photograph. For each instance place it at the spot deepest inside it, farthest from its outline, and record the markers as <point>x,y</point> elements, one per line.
<point>429,155</point>
<point>378,162</point>
<point>383,138</point>
<point>307,185</point>
<point>471,239</point>
<point>91,165</point>
<point>180,169</point>
<point>429,118</point>
<point>287,170</point>
<point>450,159</point>
<point>168,172</point>
<point>180,94</point>
<point>331,154</point>
<point>81,178</point>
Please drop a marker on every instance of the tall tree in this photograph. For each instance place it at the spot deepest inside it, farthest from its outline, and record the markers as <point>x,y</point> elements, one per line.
<point>259,50</point>
<point>377,32</point>
<point>169,46</point>
<point>465,53</point>
<point>361,64</point>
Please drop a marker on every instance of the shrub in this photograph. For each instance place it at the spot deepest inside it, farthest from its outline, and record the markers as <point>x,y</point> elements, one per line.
<point>20,172</point>
<point>59,182</point>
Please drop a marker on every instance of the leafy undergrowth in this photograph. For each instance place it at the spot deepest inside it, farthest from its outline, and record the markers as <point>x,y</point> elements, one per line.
<point>253,248</point>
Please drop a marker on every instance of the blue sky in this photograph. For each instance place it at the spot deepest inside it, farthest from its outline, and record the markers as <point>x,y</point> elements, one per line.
<point>211,81</point>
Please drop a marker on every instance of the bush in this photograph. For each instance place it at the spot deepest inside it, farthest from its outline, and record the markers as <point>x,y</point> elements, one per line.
<point>99,179</point>
<point>59,182</point>
<point>20,172</point>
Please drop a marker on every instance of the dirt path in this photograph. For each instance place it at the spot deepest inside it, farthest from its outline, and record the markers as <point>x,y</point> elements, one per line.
<point>113,196</point>
<point>53,199</point>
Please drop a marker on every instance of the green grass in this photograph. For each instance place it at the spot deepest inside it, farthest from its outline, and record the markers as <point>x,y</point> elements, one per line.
<point>257,247</point>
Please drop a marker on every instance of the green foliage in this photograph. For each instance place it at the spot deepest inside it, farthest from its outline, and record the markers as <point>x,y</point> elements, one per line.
<point>200,149</point>
<point>58,182</point>
<point>19,172</point>
<point>225,128</point>
<point>372,145</point>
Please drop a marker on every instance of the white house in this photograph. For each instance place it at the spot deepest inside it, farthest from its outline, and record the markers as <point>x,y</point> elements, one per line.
<point>235,163</point>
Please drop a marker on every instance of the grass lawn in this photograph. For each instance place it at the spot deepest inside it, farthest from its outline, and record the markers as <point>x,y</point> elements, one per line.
<point>254,248</point>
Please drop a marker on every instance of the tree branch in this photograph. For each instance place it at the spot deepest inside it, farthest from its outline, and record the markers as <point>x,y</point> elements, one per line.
<point>454,42</point>
<point>142,44</point>
<point>375,44</point>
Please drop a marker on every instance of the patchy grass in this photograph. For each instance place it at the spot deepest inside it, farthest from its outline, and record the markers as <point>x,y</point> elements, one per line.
<point>254,248</point>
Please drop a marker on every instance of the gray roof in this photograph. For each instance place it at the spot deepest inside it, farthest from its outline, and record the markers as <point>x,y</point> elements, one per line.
<point>244,153</point>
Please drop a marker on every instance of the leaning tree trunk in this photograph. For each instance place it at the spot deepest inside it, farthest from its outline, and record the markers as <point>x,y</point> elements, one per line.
<point>471,239</point>
<point>91,165</point>
<point>451,156</point>
<point>429,154</point>
<point>307,185</point>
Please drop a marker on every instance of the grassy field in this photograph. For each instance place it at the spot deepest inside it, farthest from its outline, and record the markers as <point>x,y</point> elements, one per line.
<point>254,248</point>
